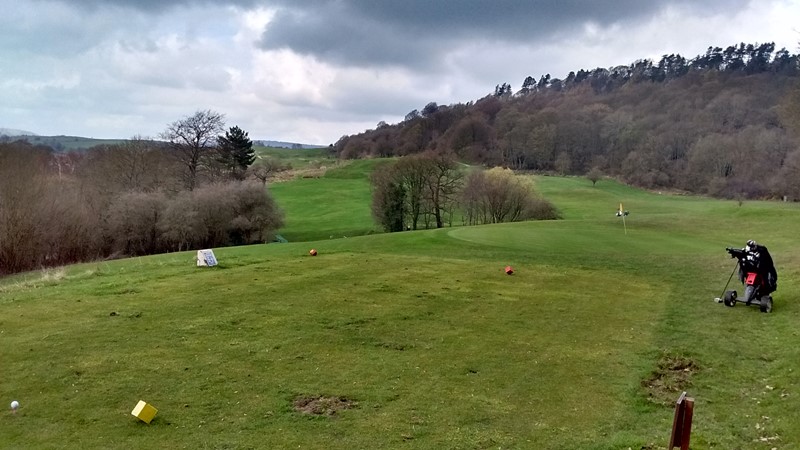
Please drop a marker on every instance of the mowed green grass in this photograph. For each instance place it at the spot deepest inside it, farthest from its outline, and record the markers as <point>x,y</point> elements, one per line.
<point>296,158</point>
<point>336,205</point>
<point>437,347</point>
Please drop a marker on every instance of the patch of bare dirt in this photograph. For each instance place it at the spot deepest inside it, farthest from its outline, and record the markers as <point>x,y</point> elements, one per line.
<point>322,406</point>
<point>293,174</point>
<point>672,376</point>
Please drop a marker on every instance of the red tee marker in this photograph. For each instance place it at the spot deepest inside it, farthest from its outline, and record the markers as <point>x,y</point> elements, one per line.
<point>313,252</point>
<point>509,270</point>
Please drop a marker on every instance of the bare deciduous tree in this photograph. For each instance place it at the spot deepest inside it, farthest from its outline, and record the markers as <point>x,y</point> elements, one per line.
<point>266,168</point>
<point>43,221</point>
<point>21,172</point>
<point>790,109</point>
<point>192,139</point>
<point>789,177</point>
<point>133,221</point>
<point>142,165</point>
<point>414,189</point>
<point>594,175</point>
<point>563,163</point>
<point>497,195</point>
<point>70,231</point>
<point>412,173</point>
<point>180,224</point>
<point>220,214</point>
<point>444,183</point>
<point>256,215</point>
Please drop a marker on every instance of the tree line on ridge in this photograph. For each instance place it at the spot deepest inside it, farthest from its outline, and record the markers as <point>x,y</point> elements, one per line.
<point>724,123</point>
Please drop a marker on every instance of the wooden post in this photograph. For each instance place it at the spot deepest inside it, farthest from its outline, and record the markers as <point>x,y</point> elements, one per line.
<point>682,423</point>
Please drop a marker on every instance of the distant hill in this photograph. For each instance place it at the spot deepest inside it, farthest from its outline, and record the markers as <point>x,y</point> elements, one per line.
<point>11,132</point>
<point>70,143</point>
<point>281,144</point>
<point>63,143</point>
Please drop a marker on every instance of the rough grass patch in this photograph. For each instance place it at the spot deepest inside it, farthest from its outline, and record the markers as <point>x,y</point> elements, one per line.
<point>54,274</point>
<point>47,276</point>
<point>673,374</point>
<point>393,346</point>
<point>322,405</point>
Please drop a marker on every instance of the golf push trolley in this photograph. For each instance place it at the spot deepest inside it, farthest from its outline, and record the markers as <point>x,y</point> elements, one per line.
<point>757,290</point>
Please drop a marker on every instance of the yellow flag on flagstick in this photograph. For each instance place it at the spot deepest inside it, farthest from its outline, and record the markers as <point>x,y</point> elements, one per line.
<point>622,213</point>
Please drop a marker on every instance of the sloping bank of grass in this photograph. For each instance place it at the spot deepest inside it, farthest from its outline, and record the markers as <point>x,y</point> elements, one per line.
<point>334,206</point>
<point>429,343</point>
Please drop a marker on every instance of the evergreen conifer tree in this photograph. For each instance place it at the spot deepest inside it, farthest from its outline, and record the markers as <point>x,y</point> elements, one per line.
<point>236,152</point>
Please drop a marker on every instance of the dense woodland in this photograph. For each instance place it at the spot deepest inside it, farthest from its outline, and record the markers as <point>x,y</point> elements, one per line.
<point>724,123</point>
<point>190,190</point>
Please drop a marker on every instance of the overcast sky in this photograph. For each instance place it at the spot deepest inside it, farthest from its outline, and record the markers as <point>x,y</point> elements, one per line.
<point>311,71</point>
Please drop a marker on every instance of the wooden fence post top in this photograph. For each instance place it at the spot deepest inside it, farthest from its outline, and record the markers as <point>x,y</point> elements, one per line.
<point>682,422</point>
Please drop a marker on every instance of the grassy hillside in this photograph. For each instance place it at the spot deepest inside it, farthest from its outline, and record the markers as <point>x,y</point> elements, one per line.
<point>419,340</point>
<point>296,158</point>
<point>334,206</point>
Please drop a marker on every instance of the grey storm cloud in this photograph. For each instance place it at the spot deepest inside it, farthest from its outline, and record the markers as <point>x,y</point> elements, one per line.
<point>151,5</point>
<point>115,68</point>
<point>419,32</point>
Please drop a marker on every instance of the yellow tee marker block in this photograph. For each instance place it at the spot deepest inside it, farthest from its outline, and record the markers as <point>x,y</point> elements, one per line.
<point>144,411</point>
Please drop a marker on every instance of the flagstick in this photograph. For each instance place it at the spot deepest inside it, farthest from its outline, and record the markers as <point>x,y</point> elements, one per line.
<point>622,214</point>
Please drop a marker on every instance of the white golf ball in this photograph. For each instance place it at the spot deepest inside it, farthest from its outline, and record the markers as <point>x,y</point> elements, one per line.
<point>14,404</point>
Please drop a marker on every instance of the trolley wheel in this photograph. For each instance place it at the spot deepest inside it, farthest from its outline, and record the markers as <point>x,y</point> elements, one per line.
<point>729,299</point>
<point>766,304</point>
